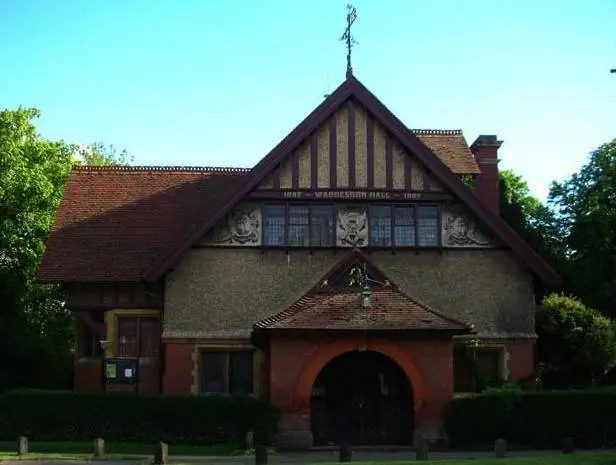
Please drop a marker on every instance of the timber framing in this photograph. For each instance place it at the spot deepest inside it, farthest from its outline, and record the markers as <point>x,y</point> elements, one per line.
<point>354,91</point>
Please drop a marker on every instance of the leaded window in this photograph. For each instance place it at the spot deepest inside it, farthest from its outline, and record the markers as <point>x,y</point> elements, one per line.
<point>274,215</point>
<point>404,226</point>
<point>380,226</point>
<point>299,225</point>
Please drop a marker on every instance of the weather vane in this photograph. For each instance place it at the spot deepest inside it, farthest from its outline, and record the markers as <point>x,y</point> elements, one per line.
<point>348,38</point>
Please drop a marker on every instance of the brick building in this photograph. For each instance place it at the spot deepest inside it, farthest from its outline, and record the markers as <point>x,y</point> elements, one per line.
<point>336,278</point>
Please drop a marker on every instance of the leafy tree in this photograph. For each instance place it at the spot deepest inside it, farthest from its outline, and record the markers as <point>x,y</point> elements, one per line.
<point>32,174</point>
<point>36,331</point>
<point>535,222</point>
<point>586,205</point>
<point>100,154</point>
<point>576,345</point>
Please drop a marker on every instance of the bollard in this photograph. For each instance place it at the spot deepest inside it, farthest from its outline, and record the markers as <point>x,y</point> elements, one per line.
<point>500,448</point>
<point>568,445</point>
<point>260,454</point>
<point>250,444</point>
<point>423,448</point>
<point>22,445</point>
<point>161,454</point>
<point>346,453</point>
<point>99,447</point>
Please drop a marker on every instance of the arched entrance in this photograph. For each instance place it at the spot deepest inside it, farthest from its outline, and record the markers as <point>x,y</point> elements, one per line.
<point>362,397</point>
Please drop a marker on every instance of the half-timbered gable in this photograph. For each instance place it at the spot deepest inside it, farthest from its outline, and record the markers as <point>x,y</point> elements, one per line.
<point>247,279</point>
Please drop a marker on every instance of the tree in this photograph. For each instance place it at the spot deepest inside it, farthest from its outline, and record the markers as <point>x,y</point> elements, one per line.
<point>576,345</point>
<point>535,222</point>
<point>36,331</point>
<point>100,154</point>
<point>586,207</point>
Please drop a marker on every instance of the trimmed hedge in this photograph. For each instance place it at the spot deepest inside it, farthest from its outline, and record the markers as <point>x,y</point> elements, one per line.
<point>136,418</point>
<point>538,420</point>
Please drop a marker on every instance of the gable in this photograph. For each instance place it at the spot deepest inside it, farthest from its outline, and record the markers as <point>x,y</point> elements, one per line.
<point>353,150</point>
<point>305,131</point>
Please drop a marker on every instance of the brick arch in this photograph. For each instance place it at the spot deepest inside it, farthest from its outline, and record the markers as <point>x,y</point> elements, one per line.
<point>330,351</point>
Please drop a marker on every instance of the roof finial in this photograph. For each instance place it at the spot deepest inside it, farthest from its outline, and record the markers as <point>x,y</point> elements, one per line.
<point>348,38</point>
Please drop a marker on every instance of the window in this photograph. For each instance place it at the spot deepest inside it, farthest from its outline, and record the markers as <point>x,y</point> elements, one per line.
<point>138,337</point>
<point>406,225</point>
<point>227,372</point>
<point>299,225</point>
<point>380,226</point>
<point>476,369</point>
<point>274,224</point>
<point>428,226</point>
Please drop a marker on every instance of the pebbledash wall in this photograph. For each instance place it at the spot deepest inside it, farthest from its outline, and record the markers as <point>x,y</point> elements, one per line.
<point>214,297</point>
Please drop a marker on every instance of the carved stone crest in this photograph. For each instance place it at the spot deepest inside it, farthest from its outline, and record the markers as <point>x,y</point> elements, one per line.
<point>459,230</point>
<point>352,227</point>
<point>240,227</point>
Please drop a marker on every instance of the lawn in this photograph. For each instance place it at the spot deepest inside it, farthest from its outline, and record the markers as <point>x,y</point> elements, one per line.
<point>41,450</point>
<point>581,458</point>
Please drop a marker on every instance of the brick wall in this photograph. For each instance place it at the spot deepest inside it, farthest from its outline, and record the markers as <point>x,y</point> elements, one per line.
<point>178,371</point>
<point>296,361</point>
<point>521,359</point>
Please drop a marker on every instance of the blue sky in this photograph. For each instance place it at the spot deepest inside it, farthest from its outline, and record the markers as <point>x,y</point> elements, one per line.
<point>211,83</point>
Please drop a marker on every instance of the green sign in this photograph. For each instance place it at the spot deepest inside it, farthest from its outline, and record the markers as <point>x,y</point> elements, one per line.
<point>111,370</point>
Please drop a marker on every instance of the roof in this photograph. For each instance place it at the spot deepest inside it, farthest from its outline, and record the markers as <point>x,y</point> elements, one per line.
<point>105,229</point>
<point>114,222</point>
<point>451,147</point>
<point>353,89</point>
<point>332,304</point>
<point>343,310</point>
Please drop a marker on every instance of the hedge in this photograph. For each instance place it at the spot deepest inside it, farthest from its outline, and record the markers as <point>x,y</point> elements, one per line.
<point>135,418</point>
<point>538,420</point>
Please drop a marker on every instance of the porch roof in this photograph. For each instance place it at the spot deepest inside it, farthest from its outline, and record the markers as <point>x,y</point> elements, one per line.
<point>342,309</point>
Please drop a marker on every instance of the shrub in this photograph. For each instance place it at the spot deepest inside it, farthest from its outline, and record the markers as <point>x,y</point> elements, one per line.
<point>537,420</point>
<point>138,418</point>
<point>576,345</point>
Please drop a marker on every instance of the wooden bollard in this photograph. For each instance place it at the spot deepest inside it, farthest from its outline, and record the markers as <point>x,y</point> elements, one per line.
<point>500,448</point>
<point>423,449</point>
<point>568,445</point>
<point>250,443</point>
<point>99,447</point>
<point>161,453</point>
<point>22,445</point>
<point>346,453</point>
<point>260,454</point>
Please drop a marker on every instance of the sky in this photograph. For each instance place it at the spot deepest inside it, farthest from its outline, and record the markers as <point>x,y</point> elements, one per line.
<point>220,83</point>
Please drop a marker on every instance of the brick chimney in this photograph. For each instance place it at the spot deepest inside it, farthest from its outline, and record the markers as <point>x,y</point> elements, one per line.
<point>485,149</point>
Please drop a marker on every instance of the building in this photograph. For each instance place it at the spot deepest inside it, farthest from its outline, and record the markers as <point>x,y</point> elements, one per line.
<point>334,278</point>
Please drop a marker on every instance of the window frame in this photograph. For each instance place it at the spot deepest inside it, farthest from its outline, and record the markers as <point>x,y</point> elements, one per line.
<point>309,205</point>
<point>226,351</point>
<point>501,368</point>
<point>139,319</point>
<point>415,206</point>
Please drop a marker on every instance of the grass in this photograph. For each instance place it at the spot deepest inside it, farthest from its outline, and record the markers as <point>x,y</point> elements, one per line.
<point>39,456</point>
<point>56,450</point>
<point>579,458</point>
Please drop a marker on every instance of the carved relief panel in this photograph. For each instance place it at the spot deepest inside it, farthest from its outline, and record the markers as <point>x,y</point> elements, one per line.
<point>352,226</point>
<point>242,227</point>
<point>460,230</point>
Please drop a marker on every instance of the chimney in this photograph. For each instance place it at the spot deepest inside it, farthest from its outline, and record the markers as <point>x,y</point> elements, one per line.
<point>485,149</point>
